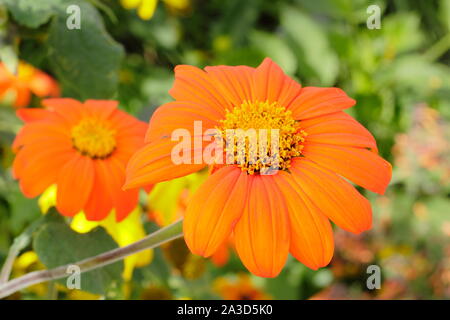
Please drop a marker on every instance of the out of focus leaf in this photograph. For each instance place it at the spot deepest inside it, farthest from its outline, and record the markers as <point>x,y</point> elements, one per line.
<point>56,244</point>
<point>32,13</point>
<point>402,33</point>
<point>311,46</point>
<point>275,47</point>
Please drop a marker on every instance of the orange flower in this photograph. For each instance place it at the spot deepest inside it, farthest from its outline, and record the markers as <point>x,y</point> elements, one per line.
<point>269,215</point>
<point>241,288</point>
<point>28,80</point>
<point>83,149</point>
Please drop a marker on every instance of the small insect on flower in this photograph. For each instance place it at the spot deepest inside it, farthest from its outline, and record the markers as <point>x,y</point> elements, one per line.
<point>271,213</point>
<point>83,148</point>
<point>27,81</point>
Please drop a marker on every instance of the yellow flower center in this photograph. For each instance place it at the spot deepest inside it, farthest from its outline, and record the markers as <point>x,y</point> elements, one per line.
<point>93,138</point>
<point>278,137</point>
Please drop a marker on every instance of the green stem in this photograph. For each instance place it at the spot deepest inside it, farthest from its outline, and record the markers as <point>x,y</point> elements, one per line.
<point>438,49</point>
<point>153,240</point>
<point>18,245</point>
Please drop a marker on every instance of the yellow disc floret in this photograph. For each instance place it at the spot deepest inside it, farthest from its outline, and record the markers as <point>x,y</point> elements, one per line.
<point>93,138</point>
<point>279,137</point>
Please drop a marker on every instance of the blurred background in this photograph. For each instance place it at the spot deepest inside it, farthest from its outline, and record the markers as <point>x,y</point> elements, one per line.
<point>398,74</point>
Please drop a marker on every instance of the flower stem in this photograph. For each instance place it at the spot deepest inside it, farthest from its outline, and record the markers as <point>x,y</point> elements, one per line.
<point>21,242</point>
<point>153,240</point>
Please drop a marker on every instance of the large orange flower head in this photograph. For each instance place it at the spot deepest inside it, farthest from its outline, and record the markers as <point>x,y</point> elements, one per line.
<point>271,213</point>
<point>83,148</point>
<point>28,80</point>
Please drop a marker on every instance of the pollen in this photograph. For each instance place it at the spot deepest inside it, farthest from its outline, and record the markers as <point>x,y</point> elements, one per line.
<point>266,137</point>
<point>94,138</point>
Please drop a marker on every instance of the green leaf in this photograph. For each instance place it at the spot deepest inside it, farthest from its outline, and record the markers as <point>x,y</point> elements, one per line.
<point>315,57</point>
<point>56,244</point>
<point>31,13</point>
<point>275,47</point>
<point>86,60</point>
<point>402,32</point>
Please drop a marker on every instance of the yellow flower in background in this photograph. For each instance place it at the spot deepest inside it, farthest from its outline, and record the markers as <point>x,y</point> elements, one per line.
<point>146,8</point>
<point>167,200</point>
<point>127,231</point>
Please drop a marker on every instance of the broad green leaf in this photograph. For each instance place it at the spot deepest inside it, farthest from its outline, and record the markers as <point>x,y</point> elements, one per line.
<point>56,244</point>
<point>86,60</point>
<point>315,57</point>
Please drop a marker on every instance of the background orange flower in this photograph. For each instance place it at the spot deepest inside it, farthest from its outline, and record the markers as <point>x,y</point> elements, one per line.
<point>83,149</point>
<point>28,80</point>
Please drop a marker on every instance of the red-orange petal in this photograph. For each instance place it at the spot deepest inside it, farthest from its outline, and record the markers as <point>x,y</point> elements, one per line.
<point>113,171</point>
<point>361,166</point>
<point>43,85</point>
<point>101,108</point>
<point>30,115</point>
<point>234,82</point>
<point>175,115</point>
<point>214,209</point>
<point>334,196</point>
<point>262,235</point>
<point>69,109</point>
<point>273,85</point>
<point>311,234</point>
<point>37,171</point>
<point>222,254</point>
<point>340,129</point>
<point>99,204</point>
<point>315,101</point>
<point>153,163</point>
<point>74,184</point>
<point>23,96</point>
<point>195,85</point>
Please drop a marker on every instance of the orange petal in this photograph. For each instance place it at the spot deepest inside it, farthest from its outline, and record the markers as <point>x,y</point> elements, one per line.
<point>334,196</point>
<point>102,108</point>
<point>74,184</point>
<point>315,101</point>
<point>127,124</point>
<point>195,85</point>
<point>214,209</point>
<point>99,204</point>
<point>222,254</point>
<point>23,96</point>
<point>262,234</point>
<point>113,171</point>
<point>67,108</point>
<point>361,166</point>
<point>153,163</point>
<point>43,85</point>
<point>176,115</point>
<point>234,82</point>
<point>38,172</point>
<point>340,129</point>
<point>42,133</point>
<point>311,234</point>
<point>273,85</point>
<point>30,115</point>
